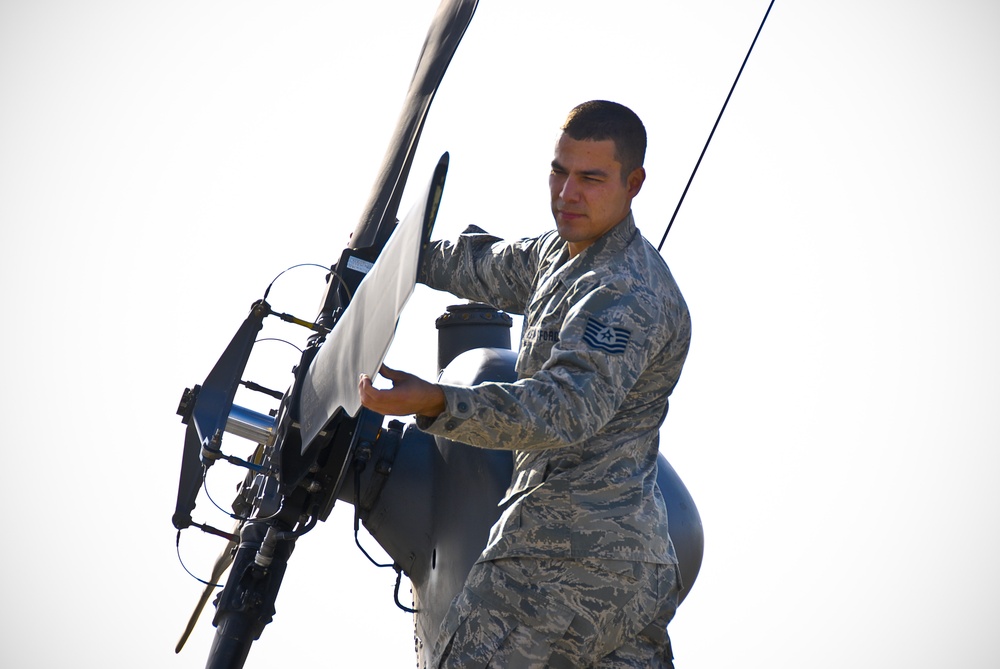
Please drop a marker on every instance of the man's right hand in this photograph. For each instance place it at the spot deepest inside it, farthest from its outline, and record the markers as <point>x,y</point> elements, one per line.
<point>409,395</point>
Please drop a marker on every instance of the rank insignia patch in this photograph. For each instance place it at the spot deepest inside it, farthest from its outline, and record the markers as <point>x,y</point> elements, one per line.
<point>606,338</point>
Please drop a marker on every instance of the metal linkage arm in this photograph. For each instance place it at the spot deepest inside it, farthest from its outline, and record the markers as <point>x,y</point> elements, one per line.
<point>205,410</point>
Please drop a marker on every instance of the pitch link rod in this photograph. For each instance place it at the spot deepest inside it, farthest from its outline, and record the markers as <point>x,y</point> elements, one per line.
<point>288,318</point>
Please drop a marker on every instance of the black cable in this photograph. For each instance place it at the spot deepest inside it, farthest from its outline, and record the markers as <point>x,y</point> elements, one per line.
<point>358,466</point>
<point>184,566</point>
<point>695,171</point>
<point>399,578</point>
<point>234,516</point>
<point>278,339</point>
<point>204,486</point>
<point>305,264</point>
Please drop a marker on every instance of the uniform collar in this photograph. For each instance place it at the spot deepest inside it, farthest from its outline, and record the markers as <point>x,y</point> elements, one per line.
<point>612,242</point>
<point>615,239</point>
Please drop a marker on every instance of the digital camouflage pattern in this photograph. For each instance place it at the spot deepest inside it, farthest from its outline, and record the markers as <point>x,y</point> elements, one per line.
<point>579,570</point>
<point>569,614</point>
<point>605,337</point>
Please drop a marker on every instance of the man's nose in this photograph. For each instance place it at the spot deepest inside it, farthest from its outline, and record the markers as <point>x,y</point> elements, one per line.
<point>569,192</point>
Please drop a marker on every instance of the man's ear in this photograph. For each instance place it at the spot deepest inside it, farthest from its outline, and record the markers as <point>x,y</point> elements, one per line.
<point>635,180</point>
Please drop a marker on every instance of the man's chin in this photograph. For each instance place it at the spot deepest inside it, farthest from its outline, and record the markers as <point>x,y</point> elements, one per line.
<point>566,232</point>
<point>568,224</point>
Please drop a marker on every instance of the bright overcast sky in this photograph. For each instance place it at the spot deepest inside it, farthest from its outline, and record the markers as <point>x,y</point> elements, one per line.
<point>837,419</point>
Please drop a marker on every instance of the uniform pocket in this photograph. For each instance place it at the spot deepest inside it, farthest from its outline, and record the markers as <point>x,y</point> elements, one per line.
<point>470,634</point>
<point>501,620</point>
<point>667,578</point>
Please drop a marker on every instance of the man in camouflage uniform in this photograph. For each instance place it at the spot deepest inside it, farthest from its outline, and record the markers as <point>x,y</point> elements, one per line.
<point>579,570</point>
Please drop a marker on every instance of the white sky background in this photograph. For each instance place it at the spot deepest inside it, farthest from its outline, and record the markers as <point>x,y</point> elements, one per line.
<point>836,422</point>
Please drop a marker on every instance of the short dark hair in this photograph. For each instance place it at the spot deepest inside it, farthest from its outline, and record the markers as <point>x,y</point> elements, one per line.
<point>600,120</point>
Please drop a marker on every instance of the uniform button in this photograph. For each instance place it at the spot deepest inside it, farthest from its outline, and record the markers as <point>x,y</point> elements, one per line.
<point>450,425</point>
<point>462,406</point>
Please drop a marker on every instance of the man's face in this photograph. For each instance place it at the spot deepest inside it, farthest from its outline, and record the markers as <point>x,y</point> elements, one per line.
<point>589,196</point>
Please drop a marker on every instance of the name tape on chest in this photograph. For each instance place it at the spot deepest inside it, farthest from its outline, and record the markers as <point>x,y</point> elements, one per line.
<point>605,337</point>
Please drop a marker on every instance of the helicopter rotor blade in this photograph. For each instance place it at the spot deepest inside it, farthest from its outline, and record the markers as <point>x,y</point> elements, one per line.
<point>361,338</point>
<point>221,565</point>
<point>446,31</point>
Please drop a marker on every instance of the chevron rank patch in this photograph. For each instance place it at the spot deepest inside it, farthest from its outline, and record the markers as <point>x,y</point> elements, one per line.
<point>606,338</point>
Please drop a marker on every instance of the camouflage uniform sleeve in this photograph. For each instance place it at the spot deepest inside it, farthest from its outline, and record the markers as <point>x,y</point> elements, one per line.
<point>605,342</point>
<point>481,267</point>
